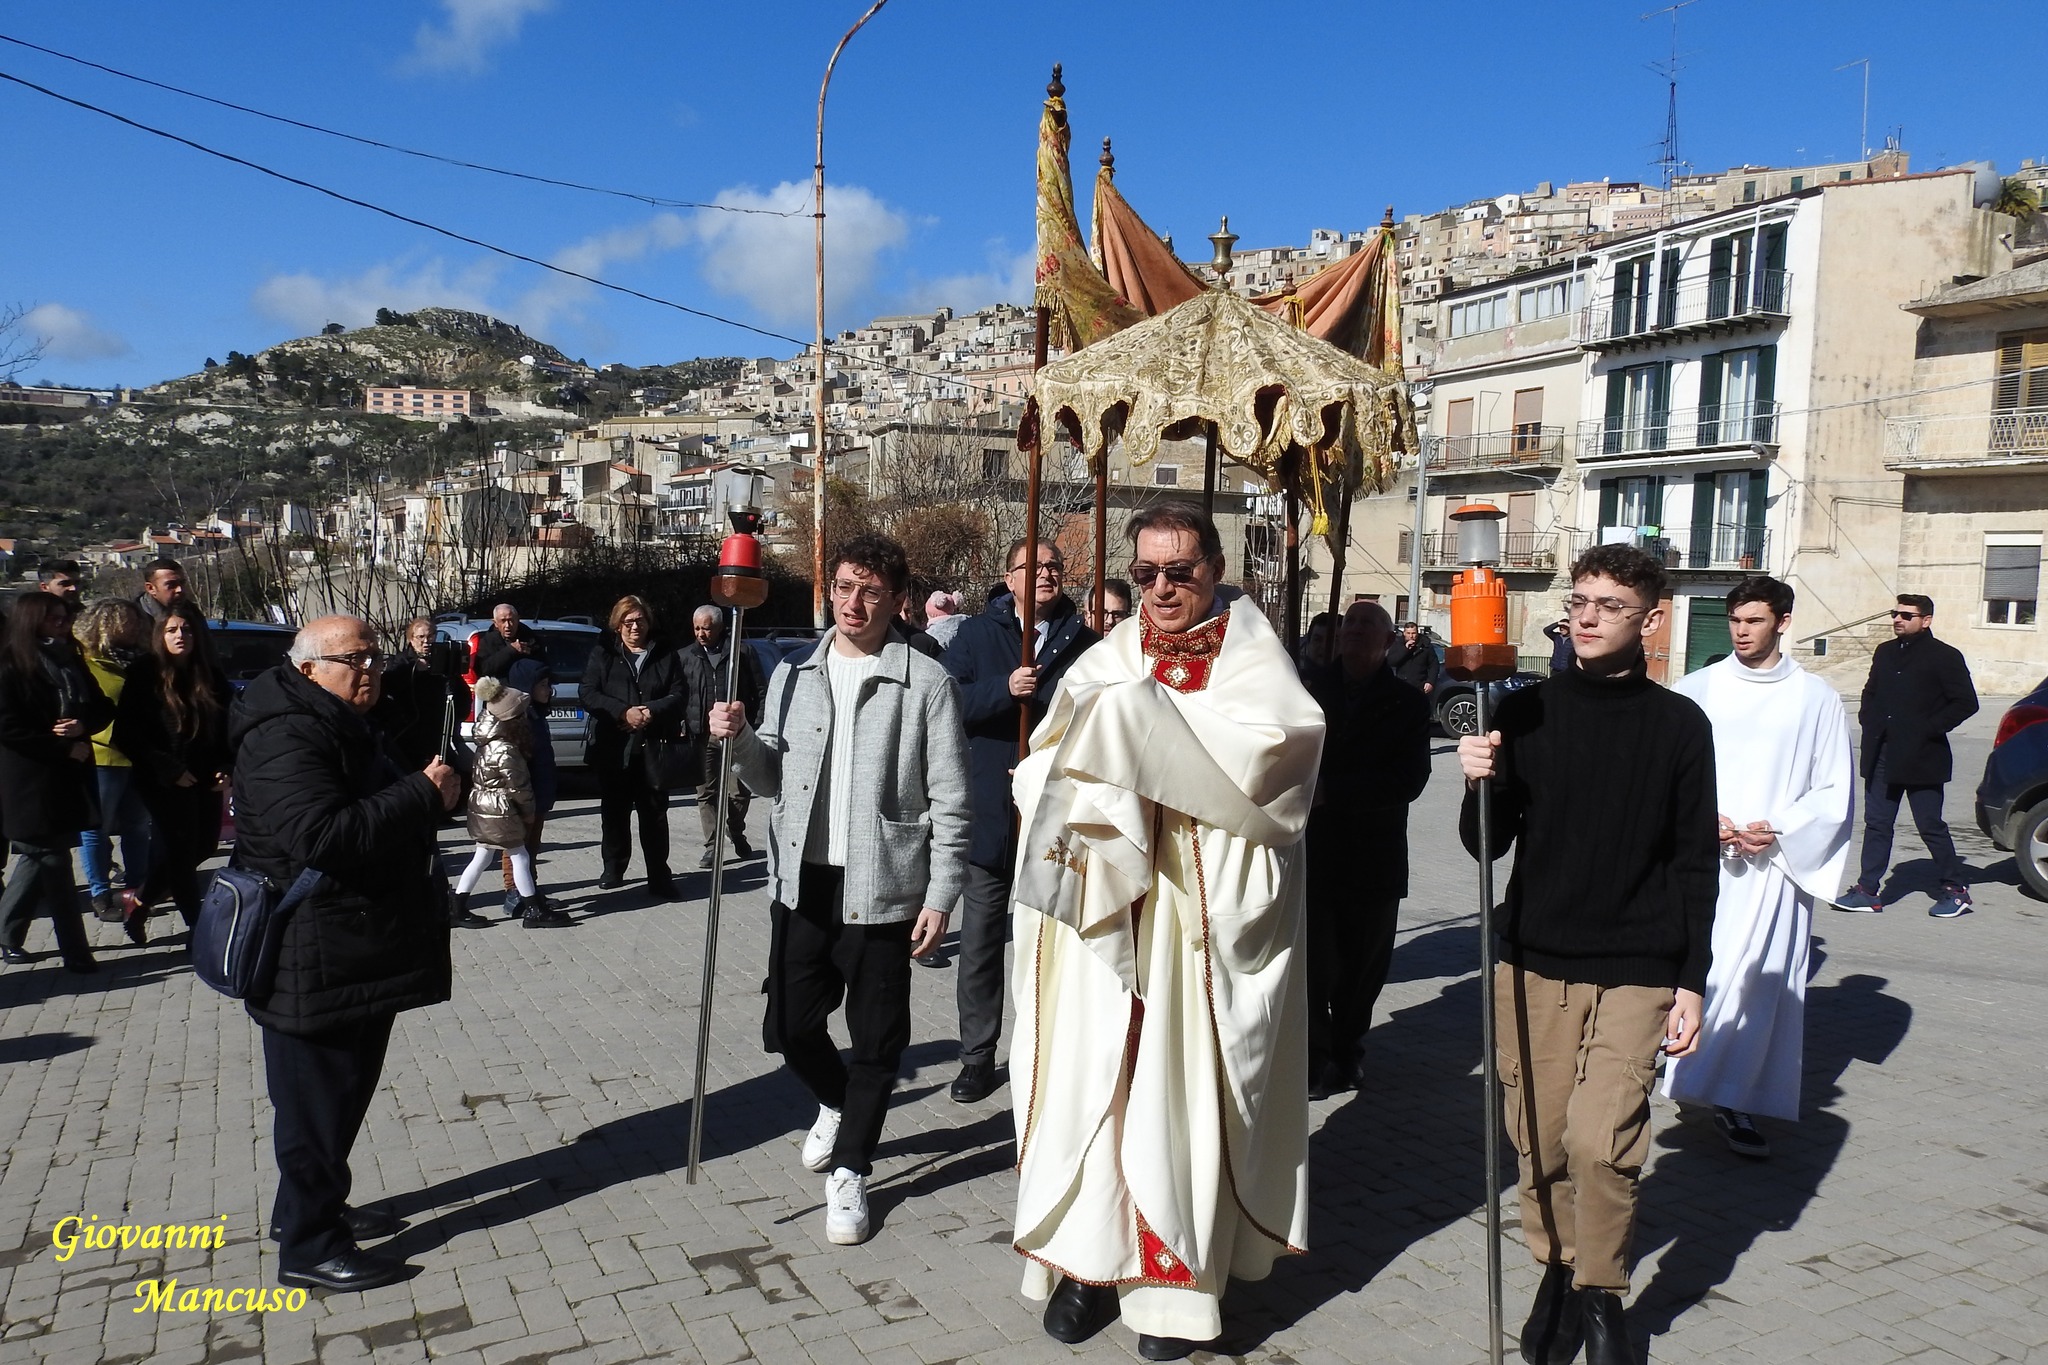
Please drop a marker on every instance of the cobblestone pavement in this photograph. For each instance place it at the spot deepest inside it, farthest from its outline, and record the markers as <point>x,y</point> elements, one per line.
<point>533,1134</point>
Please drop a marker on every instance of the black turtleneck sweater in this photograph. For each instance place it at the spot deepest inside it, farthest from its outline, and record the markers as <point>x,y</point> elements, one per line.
<point>1608,784</point>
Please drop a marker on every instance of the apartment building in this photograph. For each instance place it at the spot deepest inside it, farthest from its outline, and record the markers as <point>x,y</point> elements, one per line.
<point>1972,448</point>
<point>409,400</point>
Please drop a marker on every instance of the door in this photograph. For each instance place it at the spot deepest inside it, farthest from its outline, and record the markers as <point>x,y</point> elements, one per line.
<point>1528,421</point>
<point>1518,546</point>
<point>1657,647</point>
<point>1458,432</point>
<point>1706,631</point>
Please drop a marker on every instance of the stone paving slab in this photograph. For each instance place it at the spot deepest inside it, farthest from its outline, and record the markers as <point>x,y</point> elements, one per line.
<point>534,1133</point>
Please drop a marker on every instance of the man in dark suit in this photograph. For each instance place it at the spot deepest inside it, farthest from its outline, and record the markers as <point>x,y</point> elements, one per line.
<point>1919,690</point>
<point>1414,659</point>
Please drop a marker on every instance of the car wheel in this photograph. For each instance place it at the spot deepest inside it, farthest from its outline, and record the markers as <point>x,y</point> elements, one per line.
<point>2030,849</point>
<point>1460,717</point>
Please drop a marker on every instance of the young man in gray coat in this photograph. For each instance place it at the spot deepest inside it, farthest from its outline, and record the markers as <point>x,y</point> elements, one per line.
<point>861,748</point>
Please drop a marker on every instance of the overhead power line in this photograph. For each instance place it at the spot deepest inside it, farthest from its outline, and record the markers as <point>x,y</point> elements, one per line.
<point>653,201</point>
<point>479,243</point>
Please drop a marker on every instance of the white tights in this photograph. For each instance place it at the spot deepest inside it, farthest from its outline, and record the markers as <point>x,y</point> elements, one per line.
<point>522,870</point>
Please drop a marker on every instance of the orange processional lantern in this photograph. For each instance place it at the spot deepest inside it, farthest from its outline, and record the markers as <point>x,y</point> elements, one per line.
<point>736,584</point>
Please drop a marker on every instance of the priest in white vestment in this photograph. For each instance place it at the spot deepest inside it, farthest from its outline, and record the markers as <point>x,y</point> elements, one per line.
<point>1786,775</point>
<point>1160,1067</point>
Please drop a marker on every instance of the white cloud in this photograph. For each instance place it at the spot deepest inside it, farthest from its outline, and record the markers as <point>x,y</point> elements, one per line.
<point>1010,278</point>
<point>67,334</point>
<point>472,28</point>
<point>771,262</point>
<point>557,296</point>
<point>308,302</point>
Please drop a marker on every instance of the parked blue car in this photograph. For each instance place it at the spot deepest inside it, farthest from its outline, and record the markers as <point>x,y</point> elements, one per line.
<point>2012,798</point>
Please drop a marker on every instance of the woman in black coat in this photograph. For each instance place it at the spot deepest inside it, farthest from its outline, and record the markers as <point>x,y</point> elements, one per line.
<point>636,694</point>
<point>50,708</point>
<point>172,723</point>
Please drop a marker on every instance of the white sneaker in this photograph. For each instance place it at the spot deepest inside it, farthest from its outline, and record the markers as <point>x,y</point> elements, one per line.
<point>819,1141</point>
<point>846,1208</point>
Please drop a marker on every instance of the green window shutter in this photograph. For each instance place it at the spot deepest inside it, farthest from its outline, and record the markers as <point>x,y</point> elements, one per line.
<point>1656,501</point>
<point>1765,426</point>
<point>1660,406</point>
<point>1667,288</point>
<point>1770,279</point>
<point>1700,555</point>
<point>1622,303</point>
<point>1617,398</point>
<point>1720,276</point>
<point>1753,532</point>
<point>1610,504</point>
<point>1711,367</point>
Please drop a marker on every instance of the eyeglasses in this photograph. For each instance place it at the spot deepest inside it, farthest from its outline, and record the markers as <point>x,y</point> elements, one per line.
<point>845,591</point>
<point>633,623</point>
<point>1609,608</point>
<point>1109,615</point>
<point>1180,574</point>
<point>361,660</point>
<point>1905,616</point>
<point>1046,567</point>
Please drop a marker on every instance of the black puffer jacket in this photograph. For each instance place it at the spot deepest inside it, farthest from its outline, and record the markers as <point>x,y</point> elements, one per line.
<point>46,795</point>
<point>315,787</point>
<point>612,687</point>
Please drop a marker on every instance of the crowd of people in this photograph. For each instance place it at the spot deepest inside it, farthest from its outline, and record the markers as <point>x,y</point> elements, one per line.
<point>1189,840</point>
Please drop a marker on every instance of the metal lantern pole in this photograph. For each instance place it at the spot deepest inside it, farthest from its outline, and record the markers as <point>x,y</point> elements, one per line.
<point>737,585</point>
<point>1479,653</point>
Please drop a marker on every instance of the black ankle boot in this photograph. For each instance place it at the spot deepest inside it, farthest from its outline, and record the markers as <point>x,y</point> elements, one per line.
<point>1078,1311</point>
<point>1556,1323</point>
<point>1607,1340</point>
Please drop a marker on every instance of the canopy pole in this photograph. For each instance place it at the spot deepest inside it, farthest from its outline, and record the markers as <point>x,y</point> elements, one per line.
<point>1101,533</point>
<point>1209,471</point>
<point>1027,600</point>
<point>1292,481</point>
<point>1338,549</point>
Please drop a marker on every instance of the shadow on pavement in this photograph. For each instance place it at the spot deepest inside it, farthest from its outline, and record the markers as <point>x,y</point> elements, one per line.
<point>40,1047</point>
<point>1707,1206</point>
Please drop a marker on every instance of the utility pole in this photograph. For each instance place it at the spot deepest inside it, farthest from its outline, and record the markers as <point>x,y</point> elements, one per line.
<point>1415,535</point>
<point>818,391</point>
<point>1863,128</point>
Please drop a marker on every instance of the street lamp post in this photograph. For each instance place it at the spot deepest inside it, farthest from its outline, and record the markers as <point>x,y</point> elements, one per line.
<point>818,391</point>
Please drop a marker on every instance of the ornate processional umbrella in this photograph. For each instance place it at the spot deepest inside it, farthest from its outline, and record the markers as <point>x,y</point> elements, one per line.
<point>1313,421</point>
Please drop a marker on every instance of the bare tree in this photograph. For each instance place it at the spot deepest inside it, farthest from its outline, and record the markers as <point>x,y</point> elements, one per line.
<point>18,348</point>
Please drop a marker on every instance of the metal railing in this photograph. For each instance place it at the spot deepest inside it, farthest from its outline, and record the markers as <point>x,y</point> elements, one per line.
<point>1725,546</point>
<point>2018,434</point>
<point>1527,446</point>
<point>1518,550</point>
<point>1716,300</point>
<point>1725,424</point>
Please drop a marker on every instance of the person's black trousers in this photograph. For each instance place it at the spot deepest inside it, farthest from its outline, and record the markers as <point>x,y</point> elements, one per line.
<point>978,987</point>
<point>321,1088</point>
<point>40,883</point>
<point>1350,950</point>
<point>1881,798</point>
<point>623,795</point>
<point>186,825</point>
<point>706,761</point>
<point>816,959</point>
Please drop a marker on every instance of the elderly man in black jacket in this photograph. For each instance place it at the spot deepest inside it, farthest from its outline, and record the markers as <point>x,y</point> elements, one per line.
<point>1919,689</point>
<point>1375,763</point>
<point>316,787</point>
<point>995,691</point>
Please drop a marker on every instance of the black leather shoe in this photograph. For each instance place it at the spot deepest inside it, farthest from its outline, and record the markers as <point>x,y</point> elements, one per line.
<point>741,849</point>
<point>1329,1078</point>
<point>1077,1311</point>
<point>16,956</point>
<point>704,863</point>
<point>610,879</point>
<point>1607,1340</point>
<point>538,914</point>
<point>975,1083</point>
<point>662,888</point>
<point>349,1273</point>
<point>1556,1323</point>
<point>1166,1348</point>
<point>371,1225</point>
<point>80,966</point>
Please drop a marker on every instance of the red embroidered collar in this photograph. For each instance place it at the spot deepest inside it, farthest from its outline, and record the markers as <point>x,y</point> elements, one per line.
<point>1182,659</point>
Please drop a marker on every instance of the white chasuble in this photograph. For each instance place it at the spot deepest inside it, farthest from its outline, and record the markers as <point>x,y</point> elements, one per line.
<point>1160,1064</point>
<point>1782,755</point>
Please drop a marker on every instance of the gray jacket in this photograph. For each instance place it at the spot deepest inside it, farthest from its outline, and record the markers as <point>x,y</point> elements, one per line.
<point>907,840</point>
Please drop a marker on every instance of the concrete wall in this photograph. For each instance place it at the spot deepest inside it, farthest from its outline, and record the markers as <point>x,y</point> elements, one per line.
<point>1941,554</point>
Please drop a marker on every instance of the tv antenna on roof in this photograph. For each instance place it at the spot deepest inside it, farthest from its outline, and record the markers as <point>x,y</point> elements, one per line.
<point>1669,70</point>
<point>1863,129</point>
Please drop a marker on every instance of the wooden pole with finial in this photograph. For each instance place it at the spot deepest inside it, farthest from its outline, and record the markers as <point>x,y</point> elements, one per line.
<point>1108,160</point>
<point>1027,600</point>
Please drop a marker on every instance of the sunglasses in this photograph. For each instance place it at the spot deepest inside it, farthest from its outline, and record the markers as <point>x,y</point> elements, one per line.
<point>1905,616</point>
<point>1180,574</point>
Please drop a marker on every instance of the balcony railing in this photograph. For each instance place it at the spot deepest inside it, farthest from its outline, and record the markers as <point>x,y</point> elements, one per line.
<point>1529,446</point>
<point>1726,546</point>
<point>1518,550</point>
<point>1728,424</point>
<point>2018,436</point>
<point>1718,303</point>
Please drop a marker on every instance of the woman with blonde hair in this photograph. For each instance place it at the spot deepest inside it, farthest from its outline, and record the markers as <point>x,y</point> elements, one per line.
<point>111,633</point>
<point>635,691</point>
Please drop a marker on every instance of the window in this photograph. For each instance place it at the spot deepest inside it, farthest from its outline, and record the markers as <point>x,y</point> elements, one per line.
<point>1728,260</point>
<point>1749,191</point>
<point>1843,175</point>
<point>1631,297</point>
<point>2022,371</point>
<point>1489,314</point>
<point>1738,397</point>
<point>2012,577</point>
<point>1458,444</point>
<point>1166,475</point>
<point>1546,300</point>
<point>1798,183</point>
<point>1638,409</point>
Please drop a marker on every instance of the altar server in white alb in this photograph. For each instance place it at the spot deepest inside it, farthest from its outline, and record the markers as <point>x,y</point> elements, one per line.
<point>1786,775</point>
<point>1161,1066</point>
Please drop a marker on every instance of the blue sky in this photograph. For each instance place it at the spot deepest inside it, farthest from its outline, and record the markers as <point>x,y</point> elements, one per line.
<point>141,258</point>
